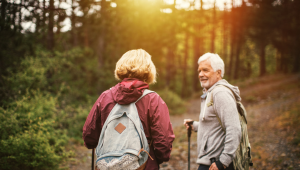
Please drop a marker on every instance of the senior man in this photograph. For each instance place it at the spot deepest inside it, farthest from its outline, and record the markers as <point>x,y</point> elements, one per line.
<point>215,148</point>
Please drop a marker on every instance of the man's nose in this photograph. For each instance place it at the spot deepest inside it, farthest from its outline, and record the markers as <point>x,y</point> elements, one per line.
<point>200,74</point>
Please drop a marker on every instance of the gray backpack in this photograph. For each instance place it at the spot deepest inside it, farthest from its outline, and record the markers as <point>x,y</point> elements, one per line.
<point>122,143</point>
<point>242,159</point>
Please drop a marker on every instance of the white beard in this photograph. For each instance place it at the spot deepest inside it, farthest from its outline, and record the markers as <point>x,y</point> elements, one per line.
<point>204,85</point>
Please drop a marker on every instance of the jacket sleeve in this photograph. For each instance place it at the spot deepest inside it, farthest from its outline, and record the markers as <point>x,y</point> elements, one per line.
<point>161,129</point>
<point>195,126</point>
<point>226,108</point>
<point>92,126</point>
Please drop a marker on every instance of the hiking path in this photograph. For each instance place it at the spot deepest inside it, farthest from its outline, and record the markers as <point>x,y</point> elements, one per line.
<point>273,106</point>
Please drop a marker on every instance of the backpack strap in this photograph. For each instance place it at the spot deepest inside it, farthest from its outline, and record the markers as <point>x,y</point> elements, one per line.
<point>212,103</point>
<point>146,91</point>
<point>239,105</point>
<point>211,95</point>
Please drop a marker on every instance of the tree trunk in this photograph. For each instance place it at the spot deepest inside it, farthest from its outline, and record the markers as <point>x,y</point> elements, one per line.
<point>184,66</point>
<point>282,62</point>
<point>38,19</point>
<point>232,42</point>
<point>73,29</point>
<point>50,37</point>
<point>249,70</point>
<point>284,53</point>
<point>86,36</point>
<point>169,69</point>
<point>195,63</point>
<point>296,54</point>
<point>237,59</point>
<point>3,13</point>
<point>240,38</point>
<point>14,17</point>
<point>277,61</point>
<point>100,51</point>
<point>101,38</point>
<point>58,27</point>
<point>44,14</point>
<point>225,42</point>
<point>20,17</point>
<point>213,30</point>
<point>3,10</point>
<point>262,61</point>
<point>230,68</point>
<point>296,67</point>
<point>198,45</point>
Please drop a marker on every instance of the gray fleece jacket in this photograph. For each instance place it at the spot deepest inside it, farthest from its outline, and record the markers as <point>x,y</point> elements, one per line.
<point>212,141</point>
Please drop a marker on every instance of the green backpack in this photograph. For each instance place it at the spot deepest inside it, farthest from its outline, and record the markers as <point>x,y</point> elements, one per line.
<point>242,159</point>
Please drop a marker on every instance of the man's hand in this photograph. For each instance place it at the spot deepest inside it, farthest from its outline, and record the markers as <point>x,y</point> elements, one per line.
<point>213,167</point>
<point>186,121</point>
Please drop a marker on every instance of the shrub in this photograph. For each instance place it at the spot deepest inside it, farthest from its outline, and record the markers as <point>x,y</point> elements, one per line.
<point>44,106</point>
<point>76,69</point>
<point>30,134</point>
<point>32,149</point>
<point>175,104</point>
<point>73,120</point>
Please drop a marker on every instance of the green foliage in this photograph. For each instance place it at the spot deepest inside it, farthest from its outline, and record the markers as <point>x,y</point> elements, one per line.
<point>32,74</point>
<point>175,104</point>
<point>33,149</point>
<point>45,106</point>
<point>73,120</point>
<point>30,133</point>
<point>28,110</point>
<point>46,95</point>
<point>74,73</point>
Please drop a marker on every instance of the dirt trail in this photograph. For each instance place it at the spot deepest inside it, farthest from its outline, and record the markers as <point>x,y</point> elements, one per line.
<point>266,100</point>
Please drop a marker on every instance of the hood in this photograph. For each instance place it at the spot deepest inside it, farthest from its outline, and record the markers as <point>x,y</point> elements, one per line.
<point>234,89</point>
<point>128,91</point>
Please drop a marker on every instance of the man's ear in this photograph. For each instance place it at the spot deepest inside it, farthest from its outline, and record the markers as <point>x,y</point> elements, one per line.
<point>219,73</point>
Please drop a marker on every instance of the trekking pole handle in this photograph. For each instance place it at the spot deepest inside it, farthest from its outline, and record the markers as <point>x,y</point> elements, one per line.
<point>190,128</point>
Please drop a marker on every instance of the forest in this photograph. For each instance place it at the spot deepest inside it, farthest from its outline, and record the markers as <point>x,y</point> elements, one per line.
<point>58,56</point>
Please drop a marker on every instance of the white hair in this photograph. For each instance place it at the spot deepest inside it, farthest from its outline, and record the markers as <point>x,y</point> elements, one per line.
<point>215,61</point>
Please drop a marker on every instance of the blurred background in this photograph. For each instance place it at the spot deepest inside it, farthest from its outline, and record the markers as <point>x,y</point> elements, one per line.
<point>58,56</point>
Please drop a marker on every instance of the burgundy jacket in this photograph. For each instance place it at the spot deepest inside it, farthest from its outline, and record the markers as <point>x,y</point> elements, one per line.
<point>153,112</point>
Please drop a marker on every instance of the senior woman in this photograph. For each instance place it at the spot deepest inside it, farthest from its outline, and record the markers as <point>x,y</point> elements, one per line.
<point>136,71</point>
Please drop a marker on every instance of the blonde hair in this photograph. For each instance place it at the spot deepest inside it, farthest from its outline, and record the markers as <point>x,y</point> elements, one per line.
<point>136,64</point>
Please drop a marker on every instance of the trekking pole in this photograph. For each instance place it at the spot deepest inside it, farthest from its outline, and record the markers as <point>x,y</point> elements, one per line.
<point>93,159</point>
<point>189,141</point>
